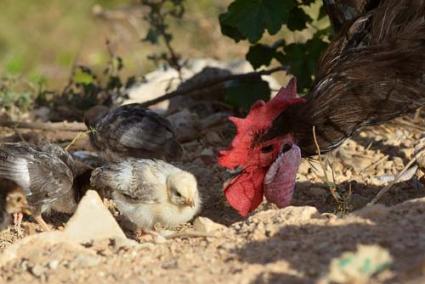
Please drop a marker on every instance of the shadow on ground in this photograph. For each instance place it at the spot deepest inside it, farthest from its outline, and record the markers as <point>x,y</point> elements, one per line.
<point>310,247</point>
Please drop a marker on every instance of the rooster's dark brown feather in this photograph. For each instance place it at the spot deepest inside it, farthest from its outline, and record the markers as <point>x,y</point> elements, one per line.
<point>372,72</point>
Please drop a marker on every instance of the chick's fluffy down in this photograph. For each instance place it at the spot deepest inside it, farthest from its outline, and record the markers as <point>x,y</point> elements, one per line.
<point>148,192</point>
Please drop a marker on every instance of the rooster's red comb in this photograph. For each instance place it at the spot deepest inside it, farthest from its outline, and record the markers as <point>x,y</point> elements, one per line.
<point>259,119</point>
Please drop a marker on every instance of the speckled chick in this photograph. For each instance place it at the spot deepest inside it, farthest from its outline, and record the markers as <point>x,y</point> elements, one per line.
<point>44,174</point>
<point>148,192</point>
<point>131,131</point>
<point>12,201</point>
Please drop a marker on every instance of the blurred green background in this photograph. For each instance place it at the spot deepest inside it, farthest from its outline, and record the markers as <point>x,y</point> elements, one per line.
<point>44,38</point>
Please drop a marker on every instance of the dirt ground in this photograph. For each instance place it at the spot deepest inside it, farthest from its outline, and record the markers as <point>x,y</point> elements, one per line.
<point>291,245</point>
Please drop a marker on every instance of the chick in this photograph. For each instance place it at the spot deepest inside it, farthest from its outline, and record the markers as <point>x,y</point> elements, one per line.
<point>12,201</point>
<point>45,177</point>
<point>131,131</point>
<point>150,192</point>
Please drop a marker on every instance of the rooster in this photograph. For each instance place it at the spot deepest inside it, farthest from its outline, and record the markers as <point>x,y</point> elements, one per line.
<point>373,71</point>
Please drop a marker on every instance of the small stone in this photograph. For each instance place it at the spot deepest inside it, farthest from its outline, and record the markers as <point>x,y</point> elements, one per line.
<point>38,270</point>
<point>205,225</point>
<point>304,168</point>
<point>86,260</point>
<point>125,243</point>
<point>207,156</point>
<point>299,213</point>
<point>185,124</point>
<point>212,137</point>
<point>208,152</point>
<point>53,264</point>
<point>92,220</point>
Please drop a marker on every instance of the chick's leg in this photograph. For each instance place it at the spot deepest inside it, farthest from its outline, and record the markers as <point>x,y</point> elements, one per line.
<point>42,223</point>
<point>17,219</point>
<point>141,233</point>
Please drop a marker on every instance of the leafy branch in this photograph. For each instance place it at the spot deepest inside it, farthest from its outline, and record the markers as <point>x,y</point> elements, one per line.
<point>249,20</point>
<point>159,11</point>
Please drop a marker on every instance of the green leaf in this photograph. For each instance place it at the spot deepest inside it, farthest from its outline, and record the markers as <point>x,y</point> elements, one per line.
<point>82,77</point>
<point>322,12</point>
<point>259,55</point>
<point>302,59</point>
<point>298,19</point>
<point>307,2</point>
<point>152,36</point>
<point>244,93</point>
<point>228,30</point>
<point>250,18</point>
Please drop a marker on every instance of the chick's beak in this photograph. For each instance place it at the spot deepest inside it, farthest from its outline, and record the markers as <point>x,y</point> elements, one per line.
<point>189,202</point>
<point>26,210</point>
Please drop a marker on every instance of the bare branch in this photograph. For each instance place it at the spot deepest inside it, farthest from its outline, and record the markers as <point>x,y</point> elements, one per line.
<point>52,126</point>
<point>192,90</point>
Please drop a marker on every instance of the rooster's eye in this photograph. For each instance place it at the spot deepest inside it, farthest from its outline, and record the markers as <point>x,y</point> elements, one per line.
<point>267,149</point>
<point>286,148</point>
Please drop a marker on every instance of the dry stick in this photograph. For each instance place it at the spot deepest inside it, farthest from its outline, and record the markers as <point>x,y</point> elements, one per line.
<point>325,176</point>
<point>78,136</point>
<point>374,164</point>
<point>52,126</point>
<point>190,90</point>
<point>410,124</point>
<point>191,234</point>
<point>397,178</point>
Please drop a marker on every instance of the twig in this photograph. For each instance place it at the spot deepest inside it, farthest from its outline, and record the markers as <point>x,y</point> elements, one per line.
<point>191,234</point>
<point>208,84</point>
<point>396,179</point>
<point>50,126</point>
<point>410,124</point>
<point>374,164</point>
<point>78,136</point>
<point>332,187</point>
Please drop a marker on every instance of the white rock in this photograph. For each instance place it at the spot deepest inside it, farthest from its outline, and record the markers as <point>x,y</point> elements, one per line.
<point>205,225</point>
<point>92,221</point>
<point>185,124</point>
<point>165,80</point>
<point>299,212</point>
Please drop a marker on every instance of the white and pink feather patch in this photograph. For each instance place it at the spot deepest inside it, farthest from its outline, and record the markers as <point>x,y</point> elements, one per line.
<point>279,182</point>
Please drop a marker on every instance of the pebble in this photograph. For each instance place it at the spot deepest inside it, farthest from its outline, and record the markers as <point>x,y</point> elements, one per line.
<point>86,261</point>
<point>53,264</point>
<point>37,270</point>
<point>205,225</point>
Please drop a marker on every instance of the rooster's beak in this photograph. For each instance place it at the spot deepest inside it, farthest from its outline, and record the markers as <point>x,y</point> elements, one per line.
<point>236,171</point>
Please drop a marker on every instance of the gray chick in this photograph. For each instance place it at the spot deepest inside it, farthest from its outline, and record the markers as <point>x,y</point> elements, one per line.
<point>131,131</point>
<point>45,177</point>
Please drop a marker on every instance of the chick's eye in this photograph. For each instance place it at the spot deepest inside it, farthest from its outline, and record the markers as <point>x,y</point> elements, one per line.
<point>178,194</point>
<point>267,149</point>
